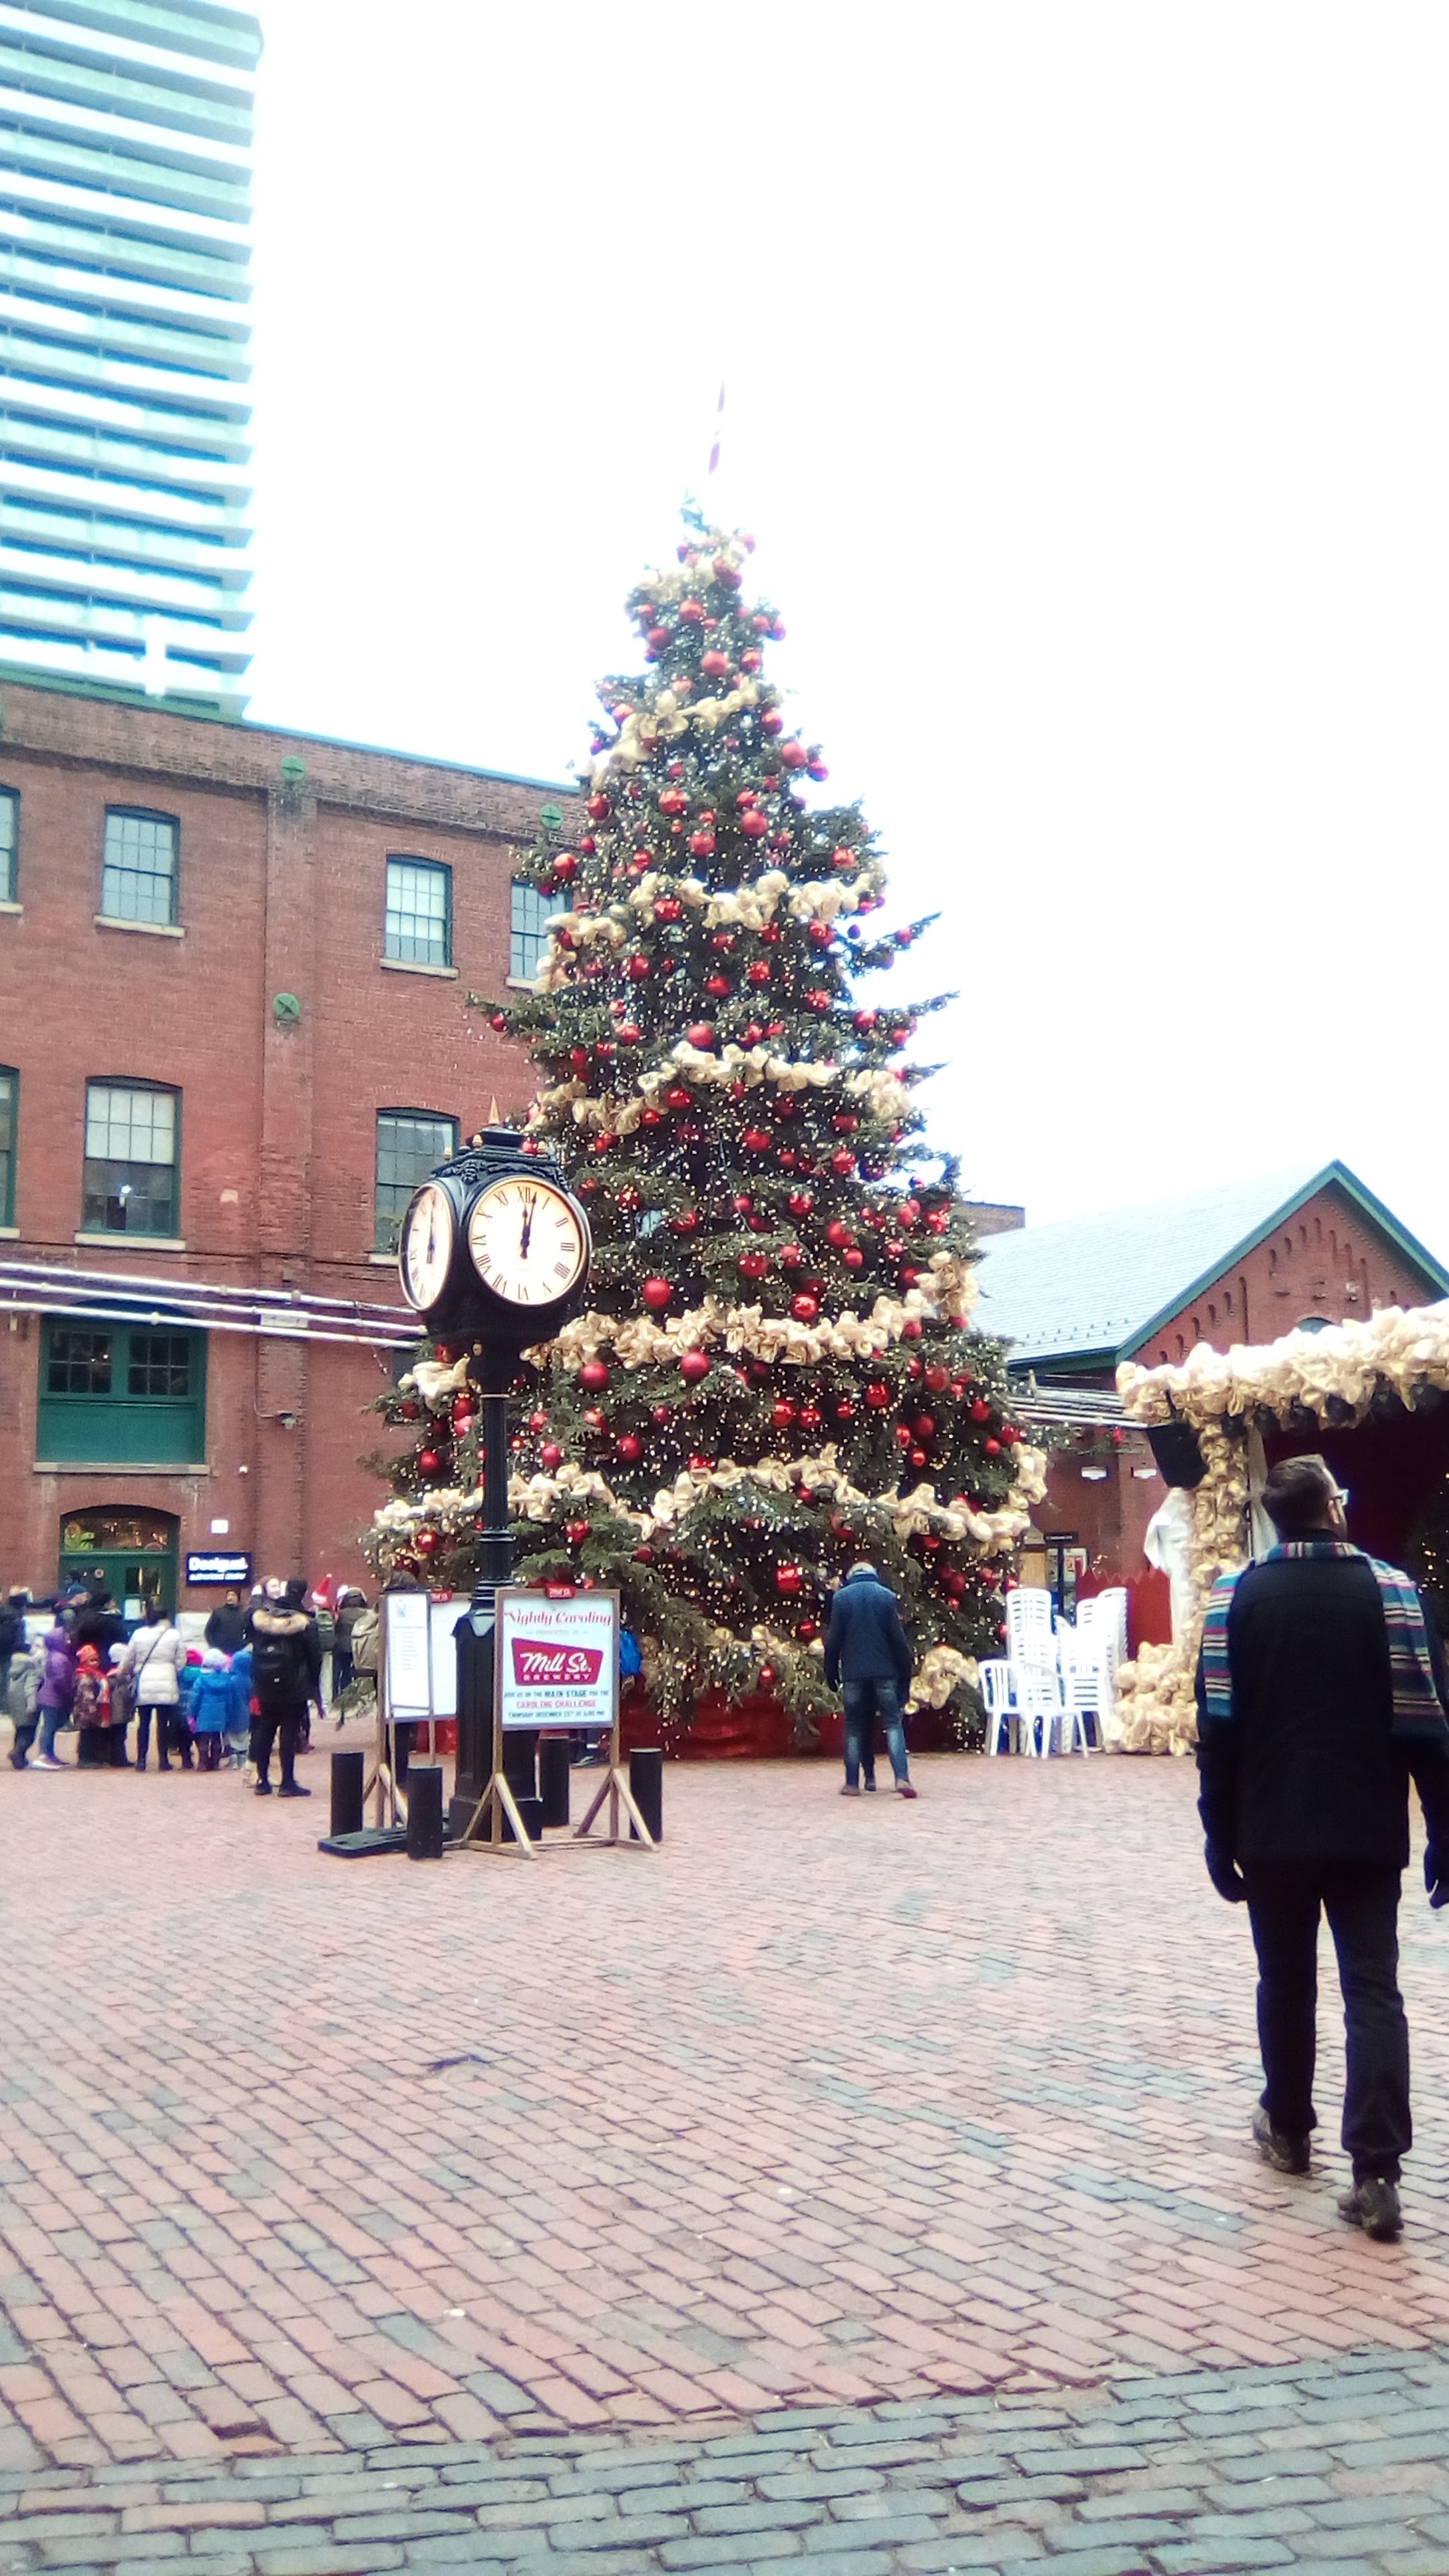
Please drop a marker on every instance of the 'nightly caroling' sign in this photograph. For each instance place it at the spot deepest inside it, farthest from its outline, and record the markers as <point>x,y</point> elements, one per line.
<point>558,1661</point>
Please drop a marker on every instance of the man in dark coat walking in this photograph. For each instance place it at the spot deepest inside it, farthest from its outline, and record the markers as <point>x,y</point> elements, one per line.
<point>1320,1692</point>
<point>868,1658</point>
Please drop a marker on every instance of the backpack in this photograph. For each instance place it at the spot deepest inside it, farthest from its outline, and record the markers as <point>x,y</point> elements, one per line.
<point>365,1641</point>
<point>274,1666</point>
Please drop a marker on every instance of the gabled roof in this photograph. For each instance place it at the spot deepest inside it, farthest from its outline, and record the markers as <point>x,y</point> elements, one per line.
<point>1090,1289</point>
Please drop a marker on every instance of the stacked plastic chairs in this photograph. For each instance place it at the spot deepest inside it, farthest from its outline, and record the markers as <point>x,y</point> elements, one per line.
<point>1054,1676</point>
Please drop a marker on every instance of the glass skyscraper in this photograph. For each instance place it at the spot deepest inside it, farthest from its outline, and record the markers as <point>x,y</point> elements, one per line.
<point>125,150</point>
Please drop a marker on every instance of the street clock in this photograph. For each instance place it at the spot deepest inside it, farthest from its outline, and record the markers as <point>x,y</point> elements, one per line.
<point>494,1246</point>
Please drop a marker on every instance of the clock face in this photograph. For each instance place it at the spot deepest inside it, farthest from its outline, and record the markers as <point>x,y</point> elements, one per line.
<point>526,1242</point>
<point>426,1250</point>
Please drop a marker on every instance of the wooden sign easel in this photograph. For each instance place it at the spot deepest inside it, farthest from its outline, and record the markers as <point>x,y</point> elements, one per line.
<point>485,1827</point>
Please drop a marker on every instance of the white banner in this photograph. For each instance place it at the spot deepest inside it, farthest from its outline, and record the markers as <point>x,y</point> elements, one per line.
<point>558,1661</point>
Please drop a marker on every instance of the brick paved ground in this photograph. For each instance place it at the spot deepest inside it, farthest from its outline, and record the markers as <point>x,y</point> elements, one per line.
<point>1336,2470</point>
<point>825,2104</point>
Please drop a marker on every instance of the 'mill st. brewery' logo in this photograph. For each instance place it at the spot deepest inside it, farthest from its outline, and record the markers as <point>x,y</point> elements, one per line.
<point>554,1667</point>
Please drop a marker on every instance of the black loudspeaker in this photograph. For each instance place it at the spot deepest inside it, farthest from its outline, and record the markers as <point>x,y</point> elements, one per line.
<point>347,1778</point>
<point>425,1811</point>
<point>1179,1457</point>
<point>555,1754</point>
<point>646,1787</point>
<point>531,1812</point>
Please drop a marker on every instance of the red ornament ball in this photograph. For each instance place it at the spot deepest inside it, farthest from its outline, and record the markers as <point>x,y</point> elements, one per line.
<point>550,1456</point>
<point>842,1162</point>
<point>576,1532</point>
<point>701,1035</point>
<point>788,1578</point>
<point>854,1259</point>
<point>693,1366</point>
<point>981,1410</point>
<point>426,1542</point>
<point>754,824</point>
<point>993,1448</point>
<point>638,970</point>
<point>804,1308</point>
<point>429,1462</point>
<point>594,1376</point>
<point>878,1394</point>
<point>656,1294</point>
<point>631,1450</point>
<point>756,1140</point>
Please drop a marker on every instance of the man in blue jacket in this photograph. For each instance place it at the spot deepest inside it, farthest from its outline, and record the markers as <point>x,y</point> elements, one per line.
<point>868,1658</point>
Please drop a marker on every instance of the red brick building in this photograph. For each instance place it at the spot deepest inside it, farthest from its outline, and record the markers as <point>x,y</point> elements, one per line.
<point>233,966</point>
<point>1242,1264</point>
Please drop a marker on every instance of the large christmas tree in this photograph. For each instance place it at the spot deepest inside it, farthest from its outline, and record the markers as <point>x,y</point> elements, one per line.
<point>776,1373</point>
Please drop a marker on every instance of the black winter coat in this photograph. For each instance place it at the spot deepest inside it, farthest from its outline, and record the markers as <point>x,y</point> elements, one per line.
<point>1308,1772</point>
<point>865,1641</point>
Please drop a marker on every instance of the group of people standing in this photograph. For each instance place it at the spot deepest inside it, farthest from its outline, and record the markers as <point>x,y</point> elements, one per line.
<point>250,1689</point>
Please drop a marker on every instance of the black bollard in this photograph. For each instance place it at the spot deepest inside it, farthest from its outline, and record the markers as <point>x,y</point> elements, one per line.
<point>646,1787</point>
<point>531,1811</point>
<point>425,1811</point>
<point>555,1753</point>
<point>347,1778</point>
<point>520,1760</point>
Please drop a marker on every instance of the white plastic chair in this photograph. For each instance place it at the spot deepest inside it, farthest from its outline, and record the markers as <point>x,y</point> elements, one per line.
<point>1082,1686</point>
<point>995,1678</point>
<point>1038,1701</point>
<point>1030,1641</point>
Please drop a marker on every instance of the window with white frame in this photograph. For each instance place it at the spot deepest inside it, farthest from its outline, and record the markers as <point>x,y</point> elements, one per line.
<point>527,936</point>
<point>419,926</point>
<point>131,1159</point>
<point>138,879</point>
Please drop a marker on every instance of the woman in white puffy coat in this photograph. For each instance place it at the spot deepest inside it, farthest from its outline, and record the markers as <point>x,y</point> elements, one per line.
<point>151,1663</point>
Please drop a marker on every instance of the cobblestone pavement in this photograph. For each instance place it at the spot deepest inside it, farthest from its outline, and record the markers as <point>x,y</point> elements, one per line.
<point>827,2103</point>
<point>1340,2469</point>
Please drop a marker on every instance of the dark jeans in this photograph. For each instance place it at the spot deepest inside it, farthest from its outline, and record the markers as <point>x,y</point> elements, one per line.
<point>1362,1905</point>
<point>208,1753</point>
<point>285,1723</point>
<point>864,1702</point>
<point>173,1735</point>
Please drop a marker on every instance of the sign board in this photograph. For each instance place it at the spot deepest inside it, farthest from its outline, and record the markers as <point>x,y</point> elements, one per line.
<point>422,1659</point>
<point>409,1655</point>
<point>557,1661</point>
<point>220,1567</point>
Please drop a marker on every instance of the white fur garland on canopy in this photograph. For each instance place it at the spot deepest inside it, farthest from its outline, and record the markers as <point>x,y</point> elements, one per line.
<point>1334,1375</point>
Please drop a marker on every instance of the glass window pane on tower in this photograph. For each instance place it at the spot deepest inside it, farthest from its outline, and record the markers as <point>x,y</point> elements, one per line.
<point>410,1146</point>
<point>527,938</point>
<point>9,843</point>
<point>130,1165</point>
<point>419,927</point>
<point>125,182</point>
<point>138,880</point>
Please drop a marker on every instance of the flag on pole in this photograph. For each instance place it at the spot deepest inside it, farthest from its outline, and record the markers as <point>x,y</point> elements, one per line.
<point>718,430</point>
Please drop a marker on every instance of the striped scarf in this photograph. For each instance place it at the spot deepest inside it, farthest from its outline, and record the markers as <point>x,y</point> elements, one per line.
<point>1417,1707</point>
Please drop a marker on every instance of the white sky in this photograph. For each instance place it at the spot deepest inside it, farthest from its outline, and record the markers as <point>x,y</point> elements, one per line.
<point>1087,394</point>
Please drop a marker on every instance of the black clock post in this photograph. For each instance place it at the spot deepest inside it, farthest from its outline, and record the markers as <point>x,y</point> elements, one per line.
<point>468,1239</point>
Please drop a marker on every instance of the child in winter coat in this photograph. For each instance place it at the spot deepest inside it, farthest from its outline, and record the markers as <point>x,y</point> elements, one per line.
<point>239,1725</point>
<point>91,1709</point>
<point>57,1690</point>
<point>215,1695</point>
<point>22,1689</point>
